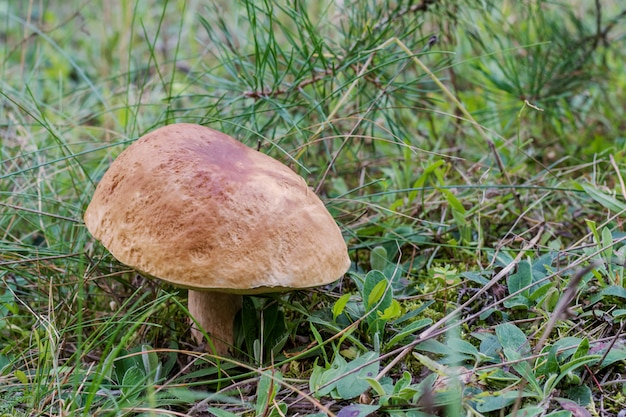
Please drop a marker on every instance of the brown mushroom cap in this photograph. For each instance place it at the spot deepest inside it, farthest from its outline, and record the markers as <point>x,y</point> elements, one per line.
<point>195,207</point>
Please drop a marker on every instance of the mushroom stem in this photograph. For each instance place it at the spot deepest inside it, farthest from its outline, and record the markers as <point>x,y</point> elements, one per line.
<point>215,313</point>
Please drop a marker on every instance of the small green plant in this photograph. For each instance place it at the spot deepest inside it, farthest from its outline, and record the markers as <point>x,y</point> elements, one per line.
<point>377,308</point>
<point>397,399</point>
<point>535,378</point>
<point>261,328</point>
<point>343,379</point>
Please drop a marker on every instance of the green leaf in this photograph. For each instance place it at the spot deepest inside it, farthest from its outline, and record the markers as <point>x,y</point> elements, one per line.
<point>279,411</point>
<point>513,340</point>
<point>357,410</point>
<point>408,330</point>
<point>605,200</point>
<point>433,346</point>
<point>610,291</point>
<point>594,230</point>
<point>616,354</point>
<point>150,362</point>
<point>495,401</point>
<point>475,277</point>
<point>324,385</point>
<point>133,382</point>
<point>275,329</point>
<point>582,350</point>
<point>218,412</point>
<point>551,365</point>
<point>316,334</point>
<point>268,386</point>
<point>376,288</point>
<point>413,313</point>
<point>522,278</point>
<point>619,313</point>
<point>378,258</point>
<point>376,386</point>
<point>315,380</point>
<point>426,173</point>
<point>575,364</point>
<point>581,394</point>
<point>526,371</point>
<point>578,362</point>
<point>249,322</point>
<point>7,305</point>
<point>498,375</point>
<point>391,312</point>
<point>403,382</point>
<point>21,376</point>
<point>540,291</point>
<point>377,293</point>
<point>529,411</point>
<point>501,257</point>
<point>378,296</point>
<point>431,364</point>
<point>190,396</point>
<point>424,387</point>
<point>340,305</point>
<point>463,347</point>
<point>116,364</point>
<point>568,345</point>
<point>452,200</point>
<point>490,346</point>
<point>355,384</point>
<point>551,299</point>
<point>343,379</point>
<point>607,243</point>
<point>562,350</point>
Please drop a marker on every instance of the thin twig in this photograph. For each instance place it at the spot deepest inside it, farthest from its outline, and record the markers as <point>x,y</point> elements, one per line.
<point>281,91</point>
<point>619,175</point>
<point>43,258</point>
<point>614,339</point>
<point>564,302</point>
<point>39,212</point>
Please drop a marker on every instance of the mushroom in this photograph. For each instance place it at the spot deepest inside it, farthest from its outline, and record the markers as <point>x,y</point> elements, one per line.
<point>194,207</point>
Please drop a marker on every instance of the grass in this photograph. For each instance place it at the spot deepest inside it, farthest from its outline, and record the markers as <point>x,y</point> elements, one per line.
<point>472,154</point>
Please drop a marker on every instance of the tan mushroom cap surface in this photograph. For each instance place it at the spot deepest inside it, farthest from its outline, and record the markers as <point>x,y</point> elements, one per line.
<point>195,207</point>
